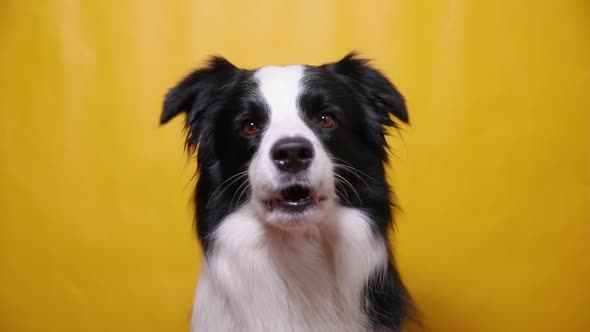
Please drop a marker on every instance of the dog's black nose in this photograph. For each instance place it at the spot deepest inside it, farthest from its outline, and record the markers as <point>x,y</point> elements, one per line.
<point>292,154</point>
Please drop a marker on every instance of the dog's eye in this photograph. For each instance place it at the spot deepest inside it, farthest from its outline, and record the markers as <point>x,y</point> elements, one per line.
<point>326,120</point>
<point>250,128</point>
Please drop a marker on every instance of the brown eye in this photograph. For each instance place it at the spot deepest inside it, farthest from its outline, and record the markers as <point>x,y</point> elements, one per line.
<point>250,128</point>
<point>326,121</point>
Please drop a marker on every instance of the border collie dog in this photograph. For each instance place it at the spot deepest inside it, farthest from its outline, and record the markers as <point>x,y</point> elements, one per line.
<point>292,205</point>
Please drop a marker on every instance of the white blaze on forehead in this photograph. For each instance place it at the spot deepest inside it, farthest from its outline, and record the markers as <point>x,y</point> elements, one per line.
<point>280,88</point>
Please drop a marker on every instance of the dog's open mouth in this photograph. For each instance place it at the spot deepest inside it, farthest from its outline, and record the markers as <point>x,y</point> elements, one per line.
<point>294,199</point>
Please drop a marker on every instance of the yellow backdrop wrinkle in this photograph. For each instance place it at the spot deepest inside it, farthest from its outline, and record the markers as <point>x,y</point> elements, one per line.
<point>493,175</point>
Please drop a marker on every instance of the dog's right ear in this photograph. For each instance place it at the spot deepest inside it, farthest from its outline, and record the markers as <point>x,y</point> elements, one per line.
<point>199,93</point>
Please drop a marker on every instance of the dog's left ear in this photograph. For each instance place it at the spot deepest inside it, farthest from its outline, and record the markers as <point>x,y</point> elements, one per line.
<point>377,92</point>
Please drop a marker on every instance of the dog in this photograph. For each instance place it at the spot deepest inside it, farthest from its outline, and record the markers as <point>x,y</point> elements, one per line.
<point>293,207</point>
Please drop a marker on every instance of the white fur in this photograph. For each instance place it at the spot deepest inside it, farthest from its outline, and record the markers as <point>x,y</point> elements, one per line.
<point>263,278</point>
<point>260,277</point>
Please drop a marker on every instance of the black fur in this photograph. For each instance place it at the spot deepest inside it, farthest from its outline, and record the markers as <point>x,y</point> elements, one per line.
<point>217,96</point>
<point>386,300</point>
<point>220,97</point>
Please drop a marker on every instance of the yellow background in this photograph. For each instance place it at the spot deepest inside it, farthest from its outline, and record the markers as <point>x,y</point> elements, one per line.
<point>493,175</point>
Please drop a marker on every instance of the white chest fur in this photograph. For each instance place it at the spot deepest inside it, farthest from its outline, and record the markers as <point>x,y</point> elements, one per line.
<point>258,278</point>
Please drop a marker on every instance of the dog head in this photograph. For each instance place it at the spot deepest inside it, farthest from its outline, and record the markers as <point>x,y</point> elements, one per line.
<point>291,141</point>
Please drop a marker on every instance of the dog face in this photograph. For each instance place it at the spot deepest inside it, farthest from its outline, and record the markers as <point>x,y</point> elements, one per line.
<point>291,174</point>
<point>291,141</point>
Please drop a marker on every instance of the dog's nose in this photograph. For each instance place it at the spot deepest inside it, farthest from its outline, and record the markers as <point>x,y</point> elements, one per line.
<point>292,154</point>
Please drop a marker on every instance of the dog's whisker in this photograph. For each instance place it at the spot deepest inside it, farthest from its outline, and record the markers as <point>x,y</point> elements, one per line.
<point>341,179</point>
<point>237,191</point>
<point>217,193</point>
<point>245,190</point>
<point>235,177</point>
<point>343,195</point>
<point>342,162</point>
<point>353,173</point>
<point>353,170</point>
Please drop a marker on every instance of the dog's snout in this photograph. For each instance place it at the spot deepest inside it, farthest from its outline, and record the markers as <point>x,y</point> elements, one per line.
<point>292,154</point>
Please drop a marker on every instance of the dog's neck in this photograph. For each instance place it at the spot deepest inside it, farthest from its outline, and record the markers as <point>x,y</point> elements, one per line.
<point>310,277</point>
